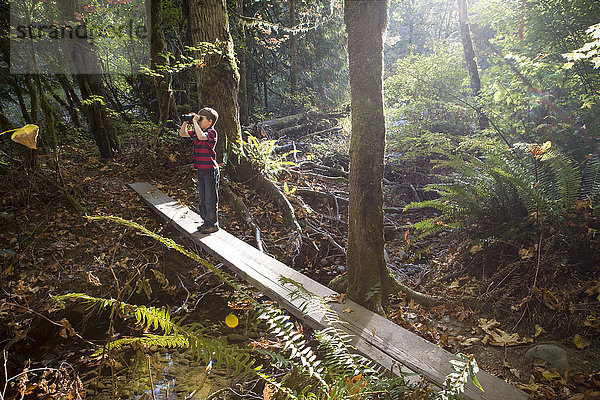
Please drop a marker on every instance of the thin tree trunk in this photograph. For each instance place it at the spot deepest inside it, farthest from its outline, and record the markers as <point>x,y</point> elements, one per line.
<point>159,63</point>
<point>368,277</point>
<point>293,55</point>
<point>465,37</point>
<point>243,91</point>
<point>73,102</point>
<point>22,106</point>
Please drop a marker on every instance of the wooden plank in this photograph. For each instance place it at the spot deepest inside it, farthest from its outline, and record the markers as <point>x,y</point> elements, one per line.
<point>374,336</point>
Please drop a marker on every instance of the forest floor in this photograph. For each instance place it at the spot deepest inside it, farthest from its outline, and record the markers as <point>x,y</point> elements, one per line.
<point>488,307</point>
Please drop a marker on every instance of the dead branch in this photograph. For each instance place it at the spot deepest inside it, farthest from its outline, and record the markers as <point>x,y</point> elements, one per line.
<point>324,178</point>
<point>330,238</point>
<point>329,196</point>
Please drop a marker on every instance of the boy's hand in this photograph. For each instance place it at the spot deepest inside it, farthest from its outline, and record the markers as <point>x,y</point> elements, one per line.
<point>196,117</point>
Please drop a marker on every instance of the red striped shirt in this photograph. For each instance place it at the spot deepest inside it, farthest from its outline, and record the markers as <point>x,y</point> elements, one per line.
<point>205,156</point>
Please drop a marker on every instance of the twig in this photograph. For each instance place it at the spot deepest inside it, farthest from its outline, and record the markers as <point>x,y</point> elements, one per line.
<point>150,376</point>
<point>5,355</point>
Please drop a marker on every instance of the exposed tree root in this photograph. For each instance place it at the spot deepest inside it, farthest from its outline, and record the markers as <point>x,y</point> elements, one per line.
<point>244,212</point>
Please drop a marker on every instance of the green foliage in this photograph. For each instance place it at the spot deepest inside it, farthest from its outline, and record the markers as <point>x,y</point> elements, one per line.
<point>173,334</point>
<point>496,184</point>
<point>454,385</point>
<point>261,154</point>
<point>426,92</point>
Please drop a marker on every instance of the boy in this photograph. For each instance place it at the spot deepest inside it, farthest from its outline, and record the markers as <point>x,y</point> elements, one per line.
<point>204,136</point>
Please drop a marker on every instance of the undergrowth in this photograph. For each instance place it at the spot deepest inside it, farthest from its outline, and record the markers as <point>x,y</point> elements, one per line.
<point>332,370</point>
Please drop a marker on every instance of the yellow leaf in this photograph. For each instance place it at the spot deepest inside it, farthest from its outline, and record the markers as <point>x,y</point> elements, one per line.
<point>27,136</point>
<point>550,375</point>
<point>231,321</point>
<point>347,310</point>
<point>538,331</point>
<point>581,342</point>
<point>476,248</point>
<point>526,253</point>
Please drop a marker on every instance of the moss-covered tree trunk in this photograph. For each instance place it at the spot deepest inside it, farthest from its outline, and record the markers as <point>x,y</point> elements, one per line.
<point>367,271</point>
<point>219,79</point>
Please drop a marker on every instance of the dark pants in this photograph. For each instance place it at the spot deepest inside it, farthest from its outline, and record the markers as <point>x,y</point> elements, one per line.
<point>208,191</point>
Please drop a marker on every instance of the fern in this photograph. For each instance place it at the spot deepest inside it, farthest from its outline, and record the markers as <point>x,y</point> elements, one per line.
<point>464,369</point>
<point>260,152</point>
<point>500,184</point>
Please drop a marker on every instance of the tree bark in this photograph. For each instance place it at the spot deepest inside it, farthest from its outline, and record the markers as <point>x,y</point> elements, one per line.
<point>219,77</point>
<point>365,25</point>
<point>465,37</point>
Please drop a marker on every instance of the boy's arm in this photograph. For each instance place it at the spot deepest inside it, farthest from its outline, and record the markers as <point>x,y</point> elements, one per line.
<point>199,133</point>
<point>183,131</point>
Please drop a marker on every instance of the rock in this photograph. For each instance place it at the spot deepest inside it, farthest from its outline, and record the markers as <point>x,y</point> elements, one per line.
<point>341,269</point>
<point>553,355</point>
<point>339,284</point>
<point>323,262</point>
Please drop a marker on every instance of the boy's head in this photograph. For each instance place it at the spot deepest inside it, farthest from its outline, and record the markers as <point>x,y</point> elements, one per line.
<point>210,115</point>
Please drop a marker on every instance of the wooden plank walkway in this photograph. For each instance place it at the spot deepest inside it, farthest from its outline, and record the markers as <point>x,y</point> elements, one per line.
<point>375,337</point>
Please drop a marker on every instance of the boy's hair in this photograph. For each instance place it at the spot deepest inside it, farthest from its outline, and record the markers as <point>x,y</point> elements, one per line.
<point>210,114</point>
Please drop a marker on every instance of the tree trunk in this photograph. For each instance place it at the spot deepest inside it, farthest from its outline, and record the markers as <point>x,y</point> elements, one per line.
<point>159,62</point>
<point>219,80</point>
<point>367,273</point>
<point>243,91</point>
<point>465,37</point>
<point>85,61</point>
<point>293,55</point>
<point>19,92</point>
<point>73,102</point>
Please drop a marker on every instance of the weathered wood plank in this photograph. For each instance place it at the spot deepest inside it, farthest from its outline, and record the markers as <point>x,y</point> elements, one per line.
<point>376,337</point>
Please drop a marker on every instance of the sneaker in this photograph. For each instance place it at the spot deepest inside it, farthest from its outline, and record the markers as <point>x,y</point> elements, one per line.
<point>201,227</point>
<point>208,228</point>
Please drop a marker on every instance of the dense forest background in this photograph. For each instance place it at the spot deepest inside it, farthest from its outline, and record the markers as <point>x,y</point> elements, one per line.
<point>491,167</point>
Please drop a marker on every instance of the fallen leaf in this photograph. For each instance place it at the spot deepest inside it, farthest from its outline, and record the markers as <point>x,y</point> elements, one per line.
<point>593,288</point>
<point>526,253</point>
<point>581,342</point>
<point>550,375</point>
<point>347,310</point>
<point>476,248</point>
<point>93,279</point>
<point>268,391</point>
<point>336,298</point>
<point>538,331</point>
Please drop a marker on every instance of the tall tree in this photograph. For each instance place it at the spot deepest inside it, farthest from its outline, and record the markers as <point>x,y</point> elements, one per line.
<point>367,271</point>
<point>159,63</point>
<point>219,78</point>
<point>465,38</point>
